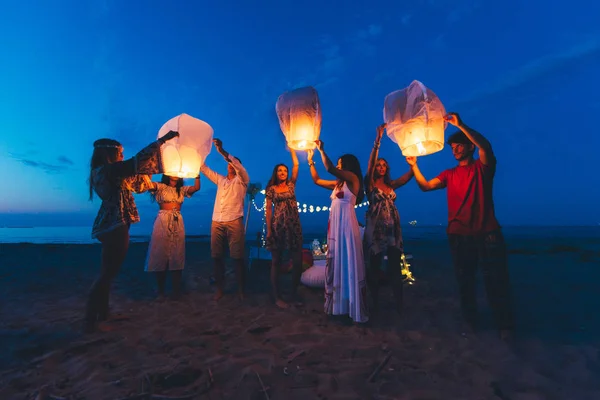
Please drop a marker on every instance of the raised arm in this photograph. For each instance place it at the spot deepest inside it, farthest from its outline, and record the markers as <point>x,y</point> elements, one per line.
<point>152,186</point>
<point>295,165</point>
<point>210,174</point>
<point>425,185</point>
<point>219,146</point>
<point>403,180</point>
<point>193,189</point>
<point>235,163</point>
<point>315,176</point>
<point>138,183</point>
<point>143,163</point>
<point>346,176</point>
<point>486,154</point>
<point>373,158</point>
<point>239,169</point>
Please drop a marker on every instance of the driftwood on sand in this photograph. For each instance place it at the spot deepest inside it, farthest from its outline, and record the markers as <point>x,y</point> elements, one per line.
<point>262,385</point>
<point>295,355</point>
<point>378,369</point>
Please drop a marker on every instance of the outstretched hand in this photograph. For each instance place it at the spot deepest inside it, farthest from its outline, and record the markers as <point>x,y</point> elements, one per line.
<point>380,130</point>
<point>309,155</point>
<point>218,143</point>
<point>453,118</point>
<point>320,145</point>
<point>412,161</point>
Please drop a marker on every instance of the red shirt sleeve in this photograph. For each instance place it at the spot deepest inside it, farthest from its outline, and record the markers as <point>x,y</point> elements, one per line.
<point>443,177</point>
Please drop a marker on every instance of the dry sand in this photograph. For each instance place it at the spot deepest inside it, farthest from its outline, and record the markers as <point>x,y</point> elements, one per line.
<point>196,349</point>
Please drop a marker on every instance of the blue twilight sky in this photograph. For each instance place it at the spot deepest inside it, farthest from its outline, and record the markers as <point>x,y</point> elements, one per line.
<point>524,73</point>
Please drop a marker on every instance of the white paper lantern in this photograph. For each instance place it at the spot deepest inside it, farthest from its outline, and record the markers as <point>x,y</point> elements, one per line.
<point>299,113</point>
<point>314,276</point>
<point>184,155</point>
<point>415,120</point>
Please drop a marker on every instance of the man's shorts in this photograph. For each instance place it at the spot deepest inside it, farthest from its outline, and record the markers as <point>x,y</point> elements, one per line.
<point>232,233</point>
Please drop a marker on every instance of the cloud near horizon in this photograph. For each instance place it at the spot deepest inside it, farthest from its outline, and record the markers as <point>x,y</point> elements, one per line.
<point>65,160</point>
<point>62,166</point>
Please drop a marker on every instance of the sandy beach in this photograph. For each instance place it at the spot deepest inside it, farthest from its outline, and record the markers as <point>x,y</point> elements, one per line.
<point>197,349</point>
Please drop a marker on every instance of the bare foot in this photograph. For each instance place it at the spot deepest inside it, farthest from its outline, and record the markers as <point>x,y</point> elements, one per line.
<point>218,295</point>
<point>281,304</point>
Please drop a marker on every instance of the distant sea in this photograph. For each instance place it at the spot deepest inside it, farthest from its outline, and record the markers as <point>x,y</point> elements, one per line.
<point>81,234</point>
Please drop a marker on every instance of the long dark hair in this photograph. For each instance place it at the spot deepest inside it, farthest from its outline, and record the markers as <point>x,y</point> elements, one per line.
<point>351,163</point>
<point>274,179</point>
<point>105,152</point>
<point>166,179</point>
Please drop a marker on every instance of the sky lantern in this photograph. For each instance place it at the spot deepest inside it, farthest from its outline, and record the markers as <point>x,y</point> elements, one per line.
<point>184,155</point>
<point>415,120</point>
<point>299,113</point>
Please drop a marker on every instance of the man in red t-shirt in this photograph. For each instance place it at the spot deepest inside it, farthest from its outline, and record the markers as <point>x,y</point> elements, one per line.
<point>473,231</point>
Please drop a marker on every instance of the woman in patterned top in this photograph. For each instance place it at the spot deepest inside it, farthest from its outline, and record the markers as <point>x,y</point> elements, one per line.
<point>167,243</point>
<point>113,180</point>
<point>283,226</point>
<point>383,234</point>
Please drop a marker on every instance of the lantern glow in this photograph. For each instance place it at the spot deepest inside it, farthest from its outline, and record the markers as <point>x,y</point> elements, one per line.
<point>183,156</point>
<point>415,120</point>
<point>299,113</point>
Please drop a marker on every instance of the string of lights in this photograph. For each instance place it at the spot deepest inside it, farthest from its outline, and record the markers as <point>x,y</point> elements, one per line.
<point>310,208</point>
<point>304,208</point>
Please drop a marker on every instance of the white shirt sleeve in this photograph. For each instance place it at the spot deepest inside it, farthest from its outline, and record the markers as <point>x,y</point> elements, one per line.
<point>210,174</point>
<point>239,169</point>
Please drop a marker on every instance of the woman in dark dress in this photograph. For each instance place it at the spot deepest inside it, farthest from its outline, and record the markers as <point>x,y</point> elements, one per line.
<point>283,226</point>
<point>383,234</point>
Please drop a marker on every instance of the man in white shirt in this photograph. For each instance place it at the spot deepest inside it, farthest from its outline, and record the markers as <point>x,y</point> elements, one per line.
<point>227,220</point>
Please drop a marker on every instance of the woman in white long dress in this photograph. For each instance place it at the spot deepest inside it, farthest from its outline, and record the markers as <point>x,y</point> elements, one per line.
<point>345,277</point>
<point>166,250</point>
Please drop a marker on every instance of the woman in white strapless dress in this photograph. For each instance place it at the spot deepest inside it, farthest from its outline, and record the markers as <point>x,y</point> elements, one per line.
<point>345,277</point>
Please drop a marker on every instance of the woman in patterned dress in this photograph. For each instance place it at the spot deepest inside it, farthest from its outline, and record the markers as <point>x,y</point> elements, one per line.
<point>345,275</point>
<point>166,250</point>
<point>114,180</point>
<point>283,226</point>
<point>383,234</point>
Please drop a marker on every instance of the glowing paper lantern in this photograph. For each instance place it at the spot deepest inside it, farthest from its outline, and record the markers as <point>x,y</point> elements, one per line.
<point>299,113</point>
<point>415,120</point>
<point>183,156</point>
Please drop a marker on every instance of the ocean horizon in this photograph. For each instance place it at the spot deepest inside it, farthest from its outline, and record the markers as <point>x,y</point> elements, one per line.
<point>82,234</point>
